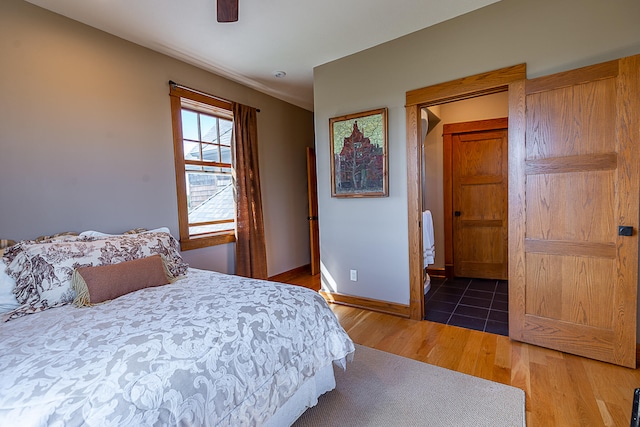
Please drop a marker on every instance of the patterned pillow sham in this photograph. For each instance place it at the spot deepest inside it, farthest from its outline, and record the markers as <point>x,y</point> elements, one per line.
<point>43,270</point>
<point>8,300</point>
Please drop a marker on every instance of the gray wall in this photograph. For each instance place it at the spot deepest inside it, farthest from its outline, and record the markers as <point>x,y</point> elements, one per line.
<point>548,35</point>
<point>86,142</point>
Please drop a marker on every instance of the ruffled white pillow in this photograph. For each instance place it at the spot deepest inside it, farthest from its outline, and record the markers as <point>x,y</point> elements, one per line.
<point>93,233</point>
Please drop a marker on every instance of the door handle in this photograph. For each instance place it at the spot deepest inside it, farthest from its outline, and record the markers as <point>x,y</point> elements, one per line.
<point>625,230</point>
<point>457,213</point>
<point>312,218</point>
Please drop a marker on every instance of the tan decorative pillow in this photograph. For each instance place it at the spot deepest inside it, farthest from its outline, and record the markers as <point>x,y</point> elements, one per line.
<point>94,285</point>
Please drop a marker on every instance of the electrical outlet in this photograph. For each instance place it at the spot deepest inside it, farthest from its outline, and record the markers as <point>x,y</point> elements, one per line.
<point>354,275</point>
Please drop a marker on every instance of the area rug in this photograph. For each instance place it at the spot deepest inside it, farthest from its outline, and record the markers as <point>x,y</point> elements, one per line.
<point>382,389</point>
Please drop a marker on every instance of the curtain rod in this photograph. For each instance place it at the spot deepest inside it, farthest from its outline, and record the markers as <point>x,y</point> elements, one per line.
<point>172,83</point>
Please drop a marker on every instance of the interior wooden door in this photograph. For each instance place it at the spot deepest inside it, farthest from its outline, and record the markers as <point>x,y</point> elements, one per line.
<point>478,213</point>
<point>574,150</point>
<point>312,194</point>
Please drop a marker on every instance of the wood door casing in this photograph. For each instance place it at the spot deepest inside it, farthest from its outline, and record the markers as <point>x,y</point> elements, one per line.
<point>574,147</point>
<point>454,90</point>
<point>475,201</point>
<point>312,194</point>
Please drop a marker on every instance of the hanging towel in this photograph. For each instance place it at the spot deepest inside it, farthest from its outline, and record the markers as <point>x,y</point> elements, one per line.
<point>428,241</point>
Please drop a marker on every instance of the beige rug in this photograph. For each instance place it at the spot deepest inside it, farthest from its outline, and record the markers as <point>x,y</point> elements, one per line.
<point>382,389</point>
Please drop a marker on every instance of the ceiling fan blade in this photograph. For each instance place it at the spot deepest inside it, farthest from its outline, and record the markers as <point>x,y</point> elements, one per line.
<point>227,10</point>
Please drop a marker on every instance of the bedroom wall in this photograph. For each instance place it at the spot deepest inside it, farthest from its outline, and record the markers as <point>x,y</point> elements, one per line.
<point>548,35</point>
<point>86,142</point>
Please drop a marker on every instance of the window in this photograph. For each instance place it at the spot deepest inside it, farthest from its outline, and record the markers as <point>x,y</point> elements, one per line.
<point>203,149</point>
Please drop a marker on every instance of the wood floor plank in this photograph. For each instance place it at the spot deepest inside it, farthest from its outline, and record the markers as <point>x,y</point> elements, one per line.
<point>607,419</point>
<point>467,362</point>
<point>485,366</point>
<point>448,350</point>
<point>541,397</point>
<point>560,389</point>
<point>503,352</point>
<point>620,414</point>
<point>588,410</point>
<point>520,372</point>
<point>612,388</point>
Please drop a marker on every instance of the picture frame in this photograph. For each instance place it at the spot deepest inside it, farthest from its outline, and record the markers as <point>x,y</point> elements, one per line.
<point>359,154</point>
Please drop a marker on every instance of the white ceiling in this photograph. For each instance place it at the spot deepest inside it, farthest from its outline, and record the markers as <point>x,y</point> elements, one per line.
<point>271,35</point>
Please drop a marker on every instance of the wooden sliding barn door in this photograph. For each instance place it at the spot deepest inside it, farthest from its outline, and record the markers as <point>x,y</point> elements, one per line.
<point>574,149</point>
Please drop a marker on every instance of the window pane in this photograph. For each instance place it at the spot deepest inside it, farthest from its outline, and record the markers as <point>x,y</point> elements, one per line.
<point>191,150</point>
<point>226,154</point>
<point>229,226</point>
<point>226,127</point>
<point>209,197</point>
<point>210,152</point>
<point>211,169</point>
<point>225,176</point>
<point>189,125</point>
<point>209,129</point>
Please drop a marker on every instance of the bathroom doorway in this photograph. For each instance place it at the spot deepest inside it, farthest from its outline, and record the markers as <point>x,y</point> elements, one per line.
<point>464,175</point>
<point>440,95</point>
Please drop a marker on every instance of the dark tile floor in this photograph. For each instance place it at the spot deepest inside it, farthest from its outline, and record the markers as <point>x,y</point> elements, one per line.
<point>478,304</point>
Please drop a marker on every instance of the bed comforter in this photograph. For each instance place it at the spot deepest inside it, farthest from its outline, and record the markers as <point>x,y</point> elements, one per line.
<point>209,349</point>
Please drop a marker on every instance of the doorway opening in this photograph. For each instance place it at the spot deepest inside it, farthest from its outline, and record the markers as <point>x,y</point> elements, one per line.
<point>470,89</point>
<point>464,194</point>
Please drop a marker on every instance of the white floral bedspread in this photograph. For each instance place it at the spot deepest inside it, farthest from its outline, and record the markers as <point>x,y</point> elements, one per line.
<point>209,349</point>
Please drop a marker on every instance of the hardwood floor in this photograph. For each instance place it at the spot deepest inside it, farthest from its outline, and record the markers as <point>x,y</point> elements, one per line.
<point>561,389</point>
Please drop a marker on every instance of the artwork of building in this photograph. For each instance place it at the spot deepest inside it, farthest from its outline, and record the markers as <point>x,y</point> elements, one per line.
<point>359,165</point>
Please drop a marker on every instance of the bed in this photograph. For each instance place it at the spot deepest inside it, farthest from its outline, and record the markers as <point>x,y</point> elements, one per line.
<point>207,349</point>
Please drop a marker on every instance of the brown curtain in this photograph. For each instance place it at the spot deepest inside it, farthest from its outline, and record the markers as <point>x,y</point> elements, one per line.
<point>251,253</point>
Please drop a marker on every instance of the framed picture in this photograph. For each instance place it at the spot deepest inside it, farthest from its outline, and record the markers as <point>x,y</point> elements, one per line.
<point>359,159</point>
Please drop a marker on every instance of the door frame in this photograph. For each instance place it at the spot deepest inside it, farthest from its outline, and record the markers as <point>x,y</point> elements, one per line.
<point>312,195</point>
<point>455,90</point>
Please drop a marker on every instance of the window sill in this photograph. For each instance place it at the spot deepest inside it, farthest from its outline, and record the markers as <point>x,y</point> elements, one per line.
<point>203,242</point>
